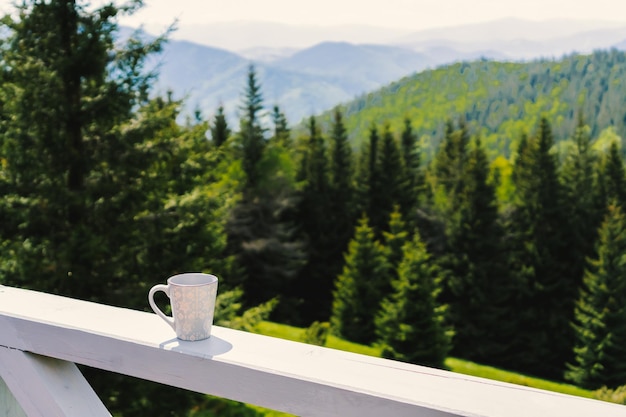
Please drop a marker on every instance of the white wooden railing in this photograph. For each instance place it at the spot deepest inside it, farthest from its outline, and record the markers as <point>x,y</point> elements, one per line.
<point>43,336</point>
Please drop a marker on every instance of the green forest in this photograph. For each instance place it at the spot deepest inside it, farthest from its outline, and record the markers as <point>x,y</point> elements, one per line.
<point>476,210</point>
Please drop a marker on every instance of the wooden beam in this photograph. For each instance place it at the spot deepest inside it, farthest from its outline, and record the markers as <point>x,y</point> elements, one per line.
<point>292,377</point>
<point>48,387</point>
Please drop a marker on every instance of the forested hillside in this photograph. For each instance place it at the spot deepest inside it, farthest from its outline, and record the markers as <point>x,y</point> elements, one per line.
<point>453,227</point>
<point>499,100</point>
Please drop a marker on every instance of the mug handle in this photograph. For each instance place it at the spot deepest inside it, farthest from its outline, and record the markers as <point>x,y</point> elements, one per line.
<point>166,289</point>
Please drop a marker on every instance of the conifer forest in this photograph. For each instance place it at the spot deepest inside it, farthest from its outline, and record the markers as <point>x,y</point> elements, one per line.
<point>475,210</point>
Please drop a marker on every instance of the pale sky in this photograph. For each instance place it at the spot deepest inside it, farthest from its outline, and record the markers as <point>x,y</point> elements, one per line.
<point>401,14</point>
<point>405,14</point>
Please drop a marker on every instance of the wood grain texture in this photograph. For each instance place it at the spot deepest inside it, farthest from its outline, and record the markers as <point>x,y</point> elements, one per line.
<point>292,377</point>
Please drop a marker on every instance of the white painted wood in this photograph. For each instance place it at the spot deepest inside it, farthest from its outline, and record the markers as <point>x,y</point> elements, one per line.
<point>9,407</point>
<point>48,387</point>
<point>293,377</point>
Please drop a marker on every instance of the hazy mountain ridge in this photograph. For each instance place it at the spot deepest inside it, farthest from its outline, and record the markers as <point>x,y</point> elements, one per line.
<point>243,35</point>
<point>307,82</point>
<point>310,80</point>
<point>509,29</point>
<point>499,100</point>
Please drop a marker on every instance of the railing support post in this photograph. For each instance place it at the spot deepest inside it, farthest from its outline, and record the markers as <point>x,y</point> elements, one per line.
<point>46,387</point>
<point>9,407</point>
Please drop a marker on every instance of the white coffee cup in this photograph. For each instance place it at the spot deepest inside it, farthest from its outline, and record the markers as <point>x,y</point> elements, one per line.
<point>192,296</point>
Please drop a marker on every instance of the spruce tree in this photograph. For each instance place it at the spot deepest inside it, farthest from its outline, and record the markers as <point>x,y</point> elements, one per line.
<point>220,132</point>
<point>413,178</point>
<point>315,282</point>
<point>446,182</point>
<point>282,133</point>
<point>367,173</point>
<point>261,231</point>
<point>480,287</point>
<point>358,289</point>
<point>388,190</point>
<point>251,132</point>
<point>411,323</point>
<point>395,238</point>
<point>342,213</point>
<point>611,183</point>
<point>540,257</point>
<point>450,160</point>
<point>444,160</point>
<point>583,214</point>
<point>600,312</point>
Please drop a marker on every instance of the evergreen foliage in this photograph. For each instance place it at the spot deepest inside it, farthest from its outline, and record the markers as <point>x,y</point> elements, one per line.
<point>389,182</point>
<point>612,179</point>
<point>367,174</point>
<point>600,312</point>
<point>480,288</point>
<point>315,282</point>
<point>103,193</point>
<point>413,178</point>
<point>262,234</point>
<point>411,323</point>
<point>359,288</point>
<point>220,132</point>
<point>342,193</point>
<point>395,238</point>
<point>101,188</point>
<point>499,100</point>
<point>251,132</point>
<point>540,257</point>
<point>281,128</point>
<point>583,206</point>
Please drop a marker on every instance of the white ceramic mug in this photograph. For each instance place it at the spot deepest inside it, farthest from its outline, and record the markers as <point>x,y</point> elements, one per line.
<point>192,296</point>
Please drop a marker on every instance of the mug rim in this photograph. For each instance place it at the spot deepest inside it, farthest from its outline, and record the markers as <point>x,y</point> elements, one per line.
<point>207,279</point>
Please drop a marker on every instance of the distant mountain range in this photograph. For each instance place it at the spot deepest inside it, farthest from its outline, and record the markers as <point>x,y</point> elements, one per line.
<point>309,80</point>
<point>500,101</point>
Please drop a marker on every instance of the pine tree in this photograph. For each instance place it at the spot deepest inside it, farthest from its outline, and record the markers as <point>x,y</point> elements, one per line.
<point>315,282</point>
<point>446,182</point>
<point>411,323</point>
<point>220,132</point>
<point>358,289</point>
<point>395,238</point>
<point>480,287</point>
<point>612,179</point>
<point>450,160</point>
<point>600,312</point>
<point>540,257</point>
<point>444,160</point>
<point>281,128</point>
<point>261,231</point>
<point>413,178</point>
<point>367,173</point>
<point>341,182</point>
<point>252,134</point>
<point>388,182</point>
<point>583,213</point>
<point>341,215</point>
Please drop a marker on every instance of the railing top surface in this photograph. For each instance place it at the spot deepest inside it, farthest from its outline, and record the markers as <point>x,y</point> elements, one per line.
<point>288,376</point>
